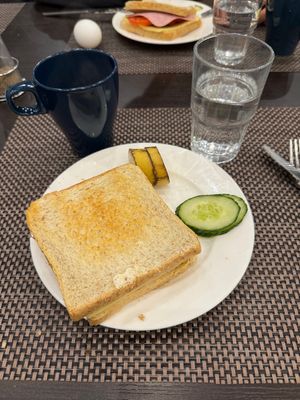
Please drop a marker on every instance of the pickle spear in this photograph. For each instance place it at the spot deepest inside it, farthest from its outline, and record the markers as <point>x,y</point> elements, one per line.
<point>141,158</point>
<point>160,170</point>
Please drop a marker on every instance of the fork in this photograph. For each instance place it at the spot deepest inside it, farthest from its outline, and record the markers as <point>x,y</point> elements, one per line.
<point>295,157</point>
<point>295,152</point>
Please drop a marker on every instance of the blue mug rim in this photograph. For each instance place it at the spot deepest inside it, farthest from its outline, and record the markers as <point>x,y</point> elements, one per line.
<point>78,88</point>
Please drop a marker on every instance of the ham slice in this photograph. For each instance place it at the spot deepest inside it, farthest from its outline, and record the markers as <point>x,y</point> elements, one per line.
<point>159,19</point>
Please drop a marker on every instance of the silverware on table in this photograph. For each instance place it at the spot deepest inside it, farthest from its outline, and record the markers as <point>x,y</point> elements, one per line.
<point>206,13</point>
<point>295,152</point>
<point>62,13</point>
<point>289,167</point>
<point>83,11</point>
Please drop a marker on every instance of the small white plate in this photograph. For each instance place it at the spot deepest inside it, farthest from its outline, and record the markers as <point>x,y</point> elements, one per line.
<point>204,30</point>
<point>217,270</point>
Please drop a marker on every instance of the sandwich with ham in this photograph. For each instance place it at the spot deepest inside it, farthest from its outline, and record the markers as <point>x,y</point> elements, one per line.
<point>162,20</point>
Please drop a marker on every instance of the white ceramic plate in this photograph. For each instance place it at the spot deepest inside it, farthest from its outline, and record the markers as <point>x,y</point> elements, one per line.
<point>204,30</point>
<point>218,269</point>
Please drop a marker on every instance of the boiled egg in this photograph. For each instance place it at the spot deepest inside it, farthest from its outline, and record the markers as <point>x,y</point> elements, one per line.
<point>87,33</point>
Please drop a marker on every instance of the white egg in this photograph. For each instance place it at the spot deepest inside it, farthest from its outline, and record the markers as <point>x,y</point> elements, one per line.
<point>87,33</point>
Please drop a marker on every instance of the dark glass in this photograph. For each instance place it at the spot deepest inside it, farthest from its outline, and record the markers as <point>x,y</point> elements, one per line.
<point>283,26</point>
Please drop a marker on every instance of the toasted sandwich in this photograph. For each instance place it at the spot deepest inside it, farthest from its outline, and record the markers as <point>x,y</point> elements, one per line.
<point>110,239</point>
<point>162,20</point>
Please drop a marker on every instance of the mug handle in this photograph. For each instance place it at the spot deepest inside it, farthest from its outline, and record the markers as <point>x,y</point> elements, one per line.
<point>26,86</point>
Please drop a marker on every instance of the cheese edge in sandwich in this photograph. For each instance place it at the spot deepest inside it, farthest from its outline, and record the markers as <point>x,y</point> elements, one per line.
<point>110,239</point>
<point>159,20</point>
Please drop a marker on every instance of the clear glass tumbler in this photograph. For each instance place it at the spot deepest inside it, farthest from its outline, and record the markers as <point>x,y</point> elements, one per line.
<point>224,98</point>
<point>234,16</point>
<point>9,72</point>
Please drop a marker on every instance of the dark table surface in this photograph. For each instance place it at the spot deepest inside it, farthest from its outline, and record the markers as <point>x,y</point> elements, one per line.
<point>31,37</point>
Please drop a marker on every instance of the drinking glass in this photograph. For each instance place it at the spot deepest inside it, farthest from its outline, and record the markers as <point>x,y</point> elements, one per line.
<point>234,16</point>
<point>9,73</point>
<point>224,98</point>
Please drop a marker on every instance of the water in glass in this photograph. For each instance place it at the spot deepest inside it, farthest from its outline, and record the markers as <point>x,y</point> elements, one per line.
<point>222,107</point>
<point>233,16</point>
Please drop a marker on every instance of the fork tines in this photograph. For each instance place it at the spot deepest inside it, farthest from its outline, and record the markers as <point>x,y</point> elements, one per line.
<point>295,152</point>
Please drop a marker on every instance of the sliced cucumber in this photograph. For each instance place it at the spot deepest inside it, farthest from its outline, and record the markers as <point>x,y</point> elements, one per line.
<point>209,215</point>
<point>243,208</point>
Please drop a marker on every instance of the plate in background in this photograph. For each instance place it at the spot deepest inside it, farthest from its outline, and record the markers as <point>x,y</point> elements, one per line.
<point>204,30</point>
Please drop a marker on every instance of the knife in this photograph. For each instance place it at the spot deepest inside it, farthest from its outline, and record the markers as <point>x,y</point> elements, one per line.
<point>100,11</point>
<point>293,171</point>
<point>82,11</point>
<point>207,13</point>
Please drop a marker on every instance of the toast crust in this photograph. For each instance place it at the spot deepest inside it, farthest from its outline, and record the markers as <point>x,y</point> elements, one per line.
<point>158,6</point>
<point>108,235</point>
<point>164,33</point>
<point>99,315</point>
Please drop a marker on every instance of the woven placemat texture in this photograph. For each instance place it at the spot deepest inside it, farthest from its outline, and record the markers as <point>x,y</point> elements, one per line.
<point>138,58</point>
<point>8,12</point>
<point>251,337</point>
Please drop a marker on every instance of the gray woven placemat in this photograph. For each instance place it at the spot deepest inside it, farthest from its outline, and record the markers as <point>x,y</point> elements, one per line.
<point>139,58</point>
<point>8,11</point>
<point>251,337</point>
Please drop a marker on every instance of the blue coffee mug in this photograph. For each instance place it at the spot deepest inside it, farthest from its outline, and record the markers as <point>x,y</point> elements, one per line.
<point>283,26</point>
<point>79,88</point>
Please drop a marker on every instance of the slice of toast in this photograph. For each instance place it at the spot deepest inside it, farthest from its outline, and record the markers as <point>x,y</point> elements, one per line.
<point>109,239</point>
<point>165,33</point>
<point>160,6</point>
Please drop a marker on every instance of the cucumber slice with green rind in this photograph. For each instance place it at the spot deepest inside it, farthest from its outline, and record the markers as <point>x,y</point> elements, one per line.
<point>243,208</point>
<point>242,213</point>
<point>219,225</point>
<point>207,215</point>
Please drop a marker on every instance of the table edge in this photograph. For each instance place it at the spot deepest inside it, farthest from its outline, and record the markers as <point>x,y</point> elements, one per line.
<point>33,390</point>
